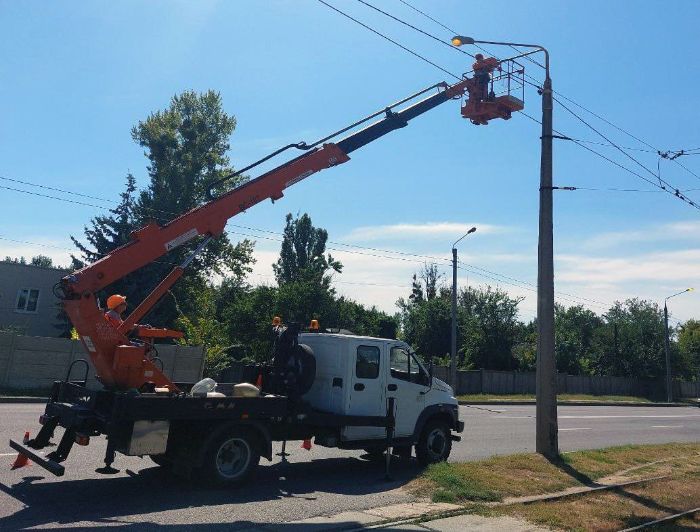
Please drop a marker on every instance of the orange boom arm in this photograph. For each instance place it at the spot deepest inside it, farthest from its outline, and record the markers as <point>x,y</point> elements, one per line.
<point>122,364</point>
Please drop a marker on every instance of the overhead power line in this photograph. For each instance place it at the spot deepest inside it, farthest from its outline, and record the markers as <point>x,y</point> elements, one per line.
<point>430,35</point>
<point>455,32</point>
<point>386,254</point>
<point>52,188</point>
<point>538,84</point>
<point>383,36</point>
<point>675,190</point>
<point>668,188</point>
<point>53,197</point>
<point>359,250</point>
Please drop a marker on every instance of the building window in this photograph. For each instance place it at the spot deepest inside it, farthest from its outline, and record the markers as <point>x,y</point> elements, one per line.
<point>367,365</point>
<point>27,300</point>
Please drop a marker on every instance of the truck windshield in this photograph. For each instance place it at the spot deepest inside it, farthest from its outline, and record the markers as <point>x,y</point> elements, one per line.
<point>417,357</point>
<point>405,365</point>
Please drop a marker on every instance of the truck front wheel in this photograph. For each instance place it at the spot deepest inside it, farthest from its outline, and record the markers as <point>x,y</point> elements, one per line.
<point>231,458</point>
<point>434,444</point>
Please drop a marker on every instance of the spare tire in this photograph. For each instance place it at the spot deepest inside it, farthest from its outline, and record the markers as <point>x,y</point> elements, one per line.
<point>307,368</point>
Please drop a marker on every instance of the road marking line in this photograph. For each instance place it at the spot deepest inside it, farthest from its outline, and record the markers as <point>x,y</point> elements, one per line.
<point>512,417</point>
<point>581,428</point>
<point>667,426</point>
<point>15,454</point>
<point>625,417</point>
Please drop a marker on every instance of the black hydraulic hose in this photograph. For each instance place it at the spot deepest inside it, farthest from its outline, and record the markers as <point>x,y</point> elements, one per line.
<point>304,146</point>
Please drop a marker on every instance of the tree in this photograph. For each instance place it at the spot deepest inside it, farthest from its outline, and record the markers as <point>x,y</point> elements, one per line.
<point>576,347</point>
<point>431,280</point>
<point>41,261</point>
<point>487,330</point>
<point>203,328</point>
<point>638,350</point>
<point>424,285</point>
<point>302,257</point>
<point>108,232</point>
<point>489,321</point>
<point>186,145</point>
<point>14,260</point>
<point>689,346</point>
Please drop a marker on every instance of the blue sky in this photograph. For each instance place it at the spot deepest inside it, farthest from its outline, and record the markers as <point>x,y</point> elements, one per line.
<point>77,76</point>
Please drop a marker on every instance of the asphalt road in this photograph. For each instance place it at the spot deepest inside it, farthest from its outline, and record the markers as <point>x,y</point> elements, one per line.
<point>317,482</point>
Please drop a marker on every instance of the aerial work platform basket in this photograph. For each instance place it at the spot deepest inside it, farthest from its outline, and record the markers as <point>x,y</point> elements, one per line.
<point>484,103</point>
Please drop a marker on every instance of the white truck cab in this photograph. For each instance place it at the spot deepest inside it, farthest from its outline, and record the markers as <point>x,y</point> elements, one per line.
<point>356,375</point>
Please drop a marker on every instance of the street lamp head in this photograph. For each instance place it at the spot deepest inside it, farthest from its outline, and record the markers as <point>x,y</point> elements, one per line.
<point>459,40</point>
<point>679,293</point>
<point>474,229</point>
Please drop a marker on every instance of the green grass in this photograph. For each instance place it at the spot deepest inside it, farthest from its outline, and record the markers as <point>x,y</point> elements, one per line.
<point>518,475</point>
<point>453,486</point>
<point>560,397</point>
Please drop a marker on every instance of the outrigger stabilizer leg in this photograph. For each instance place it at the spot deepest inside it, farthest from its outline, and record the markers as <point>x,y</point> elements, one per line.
<point>389,437</point>
<point>283,453</point>
<point>109,460</point>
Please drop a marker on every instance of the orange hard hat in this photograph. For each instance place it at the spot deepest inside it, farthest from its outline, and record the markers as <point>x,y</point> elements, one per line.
<point>115,300</point>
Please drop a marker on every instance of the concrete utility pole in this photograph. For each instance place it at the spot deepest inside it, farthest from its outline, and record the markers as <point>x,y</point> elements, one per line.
<point>453,349</point>
<point>667,349</point>
<point>547,439</point>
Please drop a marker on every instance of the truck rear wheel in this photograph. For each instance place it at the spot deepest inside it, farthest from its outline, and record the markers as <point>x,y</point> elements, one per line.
<point>435,443</point>
<point>231,458</point>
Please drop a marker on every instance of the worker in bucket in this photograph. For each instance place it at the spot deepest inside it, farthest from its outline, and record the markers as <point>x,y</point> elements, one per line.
<point>482,74</point>
<point>116,306</point>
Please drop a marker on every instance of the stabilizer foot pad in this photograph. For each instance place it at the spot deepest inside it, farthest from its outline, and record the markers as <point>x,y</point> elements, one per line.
<point>106,470</point>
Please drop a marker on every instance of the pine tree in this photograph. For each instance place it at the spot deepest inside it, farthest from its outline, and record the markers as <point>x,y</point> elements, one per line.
<point>186,145</point>
<point>108,232</point>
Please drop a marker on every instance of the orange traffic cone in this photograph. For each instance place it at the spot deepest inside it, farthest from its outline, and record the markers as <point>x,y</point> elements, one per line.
<point>306,444</point>
<point>22,459</point>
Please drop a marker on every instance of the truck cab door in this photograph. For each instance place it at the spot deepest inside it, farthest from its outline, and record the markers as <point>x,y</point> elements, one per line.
<point>366,396</point>
<point>407,381</point>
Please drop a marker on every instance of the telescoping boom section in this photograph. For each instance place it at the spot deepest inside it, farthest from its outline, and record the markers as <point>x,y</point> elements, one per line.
<point>124,364</point>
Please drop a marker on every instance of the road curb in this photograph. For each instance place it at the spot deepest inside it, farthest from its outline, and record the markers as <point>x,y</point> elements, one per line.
<point>23,399</point>
<point>577,403</point>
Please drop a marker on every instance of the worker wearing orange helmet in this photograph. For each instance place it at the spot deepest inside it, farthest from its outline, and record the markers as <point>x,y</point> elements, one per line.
<point>482,74</point>
<point>116,306</point>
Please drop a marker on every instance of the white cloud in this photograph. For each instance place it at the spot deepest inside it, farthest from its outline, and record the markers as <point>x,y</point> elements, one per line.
<point>672,266</point>
<point>413,230</point>
<point>663,233</point>
<point>39,246</point>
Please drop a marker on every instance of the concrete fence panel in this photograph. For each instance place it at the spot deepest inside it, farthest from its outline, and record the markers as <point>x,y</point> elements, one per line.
<point>514,382</point>
<point>33,362</point>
